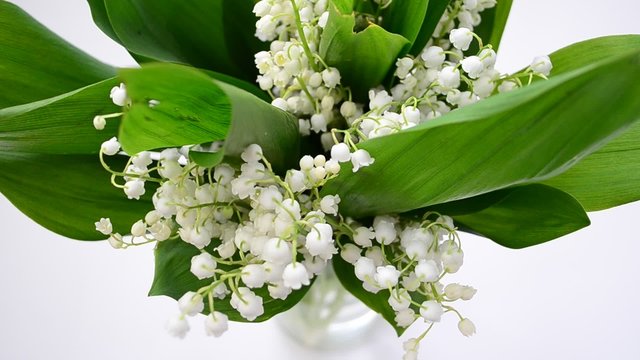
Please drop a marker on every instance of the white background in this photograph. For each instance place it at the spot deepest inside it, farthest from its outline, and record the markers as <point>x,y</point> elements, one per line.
<point>575,298</point>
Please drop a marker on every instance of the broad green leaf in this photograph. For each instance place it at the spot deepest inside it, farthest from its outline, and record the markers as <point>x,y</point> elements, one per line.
<point>190,108</point>
<point>608,177</point>
<point>59,125</point>
<point>101,18</point>
<point>193,108</point>
<point>50,167</point>
<point>257,122</point>
<point>344,6</point>
<point>592,51</point>
<point>525,136</point>
<point>68,193</point>
<point>405,17</point>
<point>492,26</point>
<point>173,278</point>
<point>519,217</point>
<point>36,64</point>
<point>377,302</point>
<point>210,34</point>
<point>206,159</point>
<point>435,10</point>
<point>363,58</point>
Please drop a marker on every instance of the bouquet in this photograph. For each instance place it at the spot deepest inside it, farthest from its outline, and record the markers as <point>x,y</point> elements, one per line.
<point>260,142</point>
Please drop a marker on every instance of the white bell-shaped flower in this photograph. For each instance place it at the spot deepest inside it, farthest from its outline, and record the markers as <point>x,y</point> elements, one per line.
<point>134,189</point>
<point>427,271</point>
<point>119,95</point>
<point>365,269</point>
<point>104,226</point>
<point>473,66</point>
<point>542,65</point>
<point>253,275</point>
<point>341,152</point>
<point>350,253</point>
<point>248,304</point>
<point>277,251</point>
<point>363,236</point>
<point>433,57</point>
<point>110,147</point>
<point>461,38</point>
<point>191,303</point>
<point>361,158</point>
<point>387,276</point>
<point>295,275</point>
<point>177,326</point>
<point>449,78</point>
<point>203,266</point>
<point>329,204</point>
<point>319,241</point>
<point>431,311</point>
<point>466,327</point>
<point>399,299</point>
<point>216,324</point>
<point>453,291</point>
<point>278,290</point>
<point>331,77</point>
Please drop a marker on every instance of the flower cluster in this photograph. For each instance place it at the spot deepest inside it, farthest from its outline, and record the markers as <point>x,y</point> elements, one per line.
<point>410,258</point>
<point>255,230</point>
<point>261,235</point>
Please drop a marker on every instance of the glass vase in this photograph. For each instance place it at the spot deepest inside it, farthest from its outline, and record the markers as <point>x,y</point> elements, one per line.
<point>328,317</point>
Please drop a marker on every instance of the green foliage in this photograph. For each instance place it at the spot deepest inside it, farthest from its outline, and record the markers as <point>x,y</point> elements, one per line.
<point>435,10</point>
<point>524,136</point>
<point>210,34</point>
<point>26,75</point>
<point>363,58</point>
<point>190,109</point>
<point>377,302</point>
<point>50,148</point>
<point>68,193</point>
<point>173,278</point>
<point>519,217</point>
<point>406,18</point>
<point>608,177</point>
<point>193,108</point>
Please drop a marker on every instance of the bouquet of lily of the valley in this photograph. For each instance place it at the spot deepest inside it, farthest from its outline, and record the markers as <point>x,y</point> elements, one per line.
<point>261,141</point>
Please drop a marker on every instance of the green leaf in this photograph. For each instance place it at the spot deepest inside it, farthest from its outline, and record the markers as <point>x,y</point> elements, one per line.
<point>210,34</point>
<point>607,178</point>
<point>191,108</point>
<point>173,278</point>
<point>519,217</point>
<point>363,58</point>
<point>59,125</point>
<point>68,193</point>
<point>435,10</point>
<point>525,136</point>
<point>344,6</point>
<point>206,159</point>
<point>50,166</point>
<point>194,109</point>
<point>101,18</point>
<point>406,18</point>
<point>592,51</point>
<point>492,26</point>
<point>36,64</point>
<point>377,302</point>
